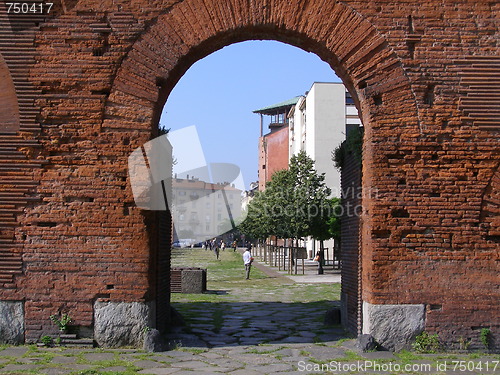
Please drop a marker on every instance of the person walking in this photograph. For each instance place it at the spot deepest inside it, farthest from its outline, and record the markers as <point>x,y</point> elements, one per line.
<point>247,261</point>
<point>216,249</point>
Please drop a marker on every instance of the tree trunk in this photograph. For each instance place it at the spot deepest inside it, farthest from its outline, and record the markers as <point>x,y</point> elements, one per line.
<point>321,257</point>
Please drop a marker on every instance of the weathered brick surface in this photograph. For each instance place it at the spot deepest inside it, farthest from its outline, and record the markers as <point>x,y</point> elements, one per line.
<point>96,74</point>
<point>350,253</point>
<point>273,155</point>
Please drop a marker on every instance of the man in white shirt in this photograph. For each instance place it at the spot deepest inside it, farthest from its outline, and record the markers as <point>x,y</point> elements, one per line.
<point>247,261</point>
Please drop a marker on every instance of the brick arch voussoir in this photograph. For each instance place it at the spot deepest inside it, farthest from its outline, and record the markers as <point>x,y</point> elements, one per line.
<point>191,30</point>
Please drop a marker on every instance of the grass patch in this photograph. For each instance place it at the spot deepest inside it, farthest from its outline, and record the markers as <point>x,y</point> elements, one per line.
<point>350,356</point>
<point>407,356</point>
<point>193,350</point>
<point>226,283</point>
<point>268,351</point>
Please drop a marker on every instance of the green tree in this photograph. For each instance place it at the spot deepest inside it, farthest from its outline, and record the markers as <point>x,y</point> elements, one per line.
<point>310,196</point>
<point>328,227</point>
<point>295,203</point>
<point>279,204</point>
<point>257,222</point>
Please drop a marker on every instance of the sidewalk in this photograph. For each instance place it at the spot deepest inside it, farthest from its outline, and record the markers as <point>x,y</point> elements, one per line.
<point>310,272</point>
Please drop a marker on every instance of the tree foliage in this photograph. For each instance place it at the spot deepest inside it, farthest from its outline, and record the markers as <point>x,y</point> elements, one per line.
<point>256,224</point>
<point>329,226</point>
<point>295,204</point>
<point>352,145</point>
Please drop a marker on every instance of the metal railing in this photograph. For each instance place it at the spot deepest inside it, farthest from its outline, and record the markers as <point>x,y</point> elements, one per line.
<point>286,258</point>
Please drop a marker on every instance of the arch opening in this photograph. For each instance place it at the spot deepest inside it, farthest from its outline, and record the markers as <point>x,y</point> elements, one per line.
<point>223,286</point>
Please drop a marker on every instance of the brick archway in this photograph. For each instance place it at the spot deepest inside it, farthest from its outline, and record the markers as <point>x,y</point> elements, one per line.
<point>101,75</point>
<point>368,67</point>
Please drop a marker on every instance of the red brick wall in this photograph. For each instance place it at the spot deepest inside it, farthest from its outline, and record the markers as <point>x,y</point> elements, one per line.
<point>273,154</point>
<point>350,252</point>
<point>93,81</point>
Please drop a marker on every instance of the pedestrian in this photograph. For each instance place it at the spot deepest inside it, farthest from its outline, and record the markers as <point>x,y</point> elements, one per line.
<point>222,245</point>
<point>319,258</point>
<point>216,249</point>
<point>247,261</point>
<point>235,243</point>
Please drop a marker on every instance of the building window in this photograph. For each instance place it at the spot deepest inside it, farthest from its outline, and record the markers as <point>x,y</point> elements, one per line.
<point>207,218</point>
<point>182,193</point>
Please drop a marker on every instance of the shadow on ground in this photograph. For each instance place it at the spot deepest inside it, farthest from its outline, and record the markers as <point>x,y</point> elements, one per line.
<point>218,324</point>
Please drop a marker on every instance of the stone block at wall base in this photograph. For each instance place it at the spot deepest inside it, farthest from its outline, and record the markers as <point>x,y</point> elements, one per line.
<point>119,324</point>
<point>393,327</point>
<point>11,322</point>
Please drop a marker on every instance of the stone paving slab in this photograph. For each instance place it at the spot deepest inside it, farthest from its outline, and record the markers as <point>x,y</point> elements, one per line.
<point>147,364</point>
<point>204,372</point>
<point>98,357</point>
<point>250,358</point>
<point>272,368</point>
<point>13,368</point>
<point>324,353</point>
<point>64,360</point>
<point>114,369</point>
<point>159,371</point>
<point>14,352</point>
<point>244,372</point>
<point>56,371</point>
<point>194,365</point>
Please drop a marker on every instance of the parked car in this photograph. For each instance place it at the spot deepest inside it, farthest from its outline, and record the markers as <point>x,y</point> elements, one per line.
<point>184,242</point>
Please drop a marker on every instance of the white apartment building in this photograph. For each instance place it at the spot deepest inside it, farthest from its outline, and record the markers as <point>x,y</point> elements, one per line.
<point>318,123</point>
<point>203,210</point>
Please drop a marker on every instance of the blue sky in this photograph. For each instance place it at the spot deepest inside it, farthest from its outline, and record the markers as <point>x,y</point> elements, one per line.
<point>218,94</point>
